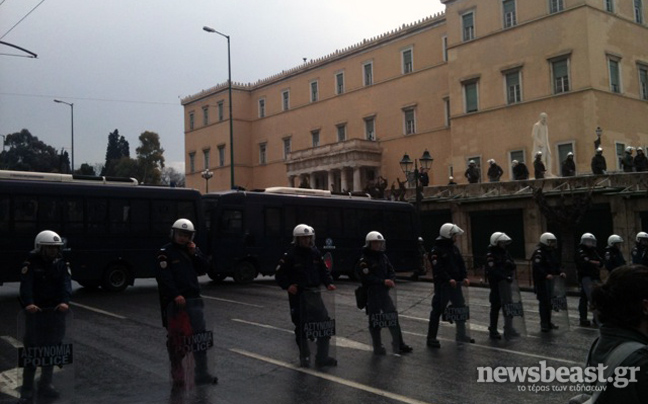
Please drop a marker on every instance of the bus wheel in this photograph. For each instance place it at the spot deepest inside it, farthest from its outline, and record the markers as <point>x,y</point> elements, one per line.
<point>116,278</point>
<point>244,272</point>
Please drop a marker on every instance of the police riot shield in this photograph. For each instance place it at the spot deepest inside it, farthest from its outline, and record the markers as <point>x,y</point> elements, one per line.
<point>190,342</point>
<point>457,312</point>
<point>512,309</point>
<point>45,356</point>
<point>382,311</point>
<point>559,311</point>
<point>316,327</point>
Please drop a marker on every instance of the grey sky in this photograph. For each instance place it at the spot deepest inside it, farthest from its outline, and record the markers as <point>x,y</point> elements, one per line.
<point>125,64</point>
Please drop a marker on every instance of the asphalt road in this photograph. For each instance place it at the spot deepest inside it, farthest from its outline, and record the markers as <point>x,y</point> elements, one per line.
<point>120,355</point>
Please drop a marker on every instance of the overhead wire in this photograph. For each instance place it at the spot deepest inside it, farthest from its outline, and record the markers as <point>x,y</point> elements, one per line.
<point>21,20</point>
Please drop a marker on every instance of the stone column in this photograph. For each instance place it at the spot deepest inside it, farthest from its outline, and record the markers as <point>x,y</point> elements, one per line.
<point>291,181</point>
<point>331,181</point>
<point>343,180</point>
<point>357,181</point>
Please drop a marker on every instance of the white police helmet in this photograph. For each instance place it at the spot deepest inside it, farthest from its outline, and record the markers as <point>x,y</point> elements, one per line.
<point>183,225</point>
<point>639,149</point>
<point>570,154</point>
<point>471,162</point>
<point>614,239</point>
<point>629,149</point>
<point>374,236</point>
<point>499,237</point>
<point>641,235</point>
<point>588,239</point>
<point>539,153</point>
<point>491,161</point>
<point>548,239</point>
<point>303,230</point>
<point>449,229</point>
<point>515,162</point>
<point>47,237</point>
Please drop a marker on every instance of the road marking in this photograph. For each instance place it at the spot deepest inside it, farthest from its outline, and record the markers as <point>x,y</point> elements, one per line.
<point>338,341</point>
<point>12,341</point>
<point>231,301</point>
<point>83,306</point>
<point>502,350</point>
<point>331,378</point>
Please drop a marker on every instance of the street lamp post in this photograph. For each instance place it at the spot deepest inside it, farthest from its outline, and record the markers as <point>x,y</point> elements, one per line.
<point>406,166</point>
<point>72,116</point>
<point>229,85</point>
<point>597,142</point>
<point>206,174</point>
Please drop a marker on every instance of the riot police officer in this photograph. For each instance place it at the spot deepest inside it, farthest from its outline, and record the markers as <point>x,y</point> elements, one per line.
<point>45,291</point>
<point>613,255</point>
<point>179,263</point>
<point>377,276</point>
<point>599,166</point>
<point>473,173</point>
<point>449,271</point>
<point>588,265</point>
<point>546,266</point>
<point>500,271</point>
<point>538,166</point>
<point>300,270</point>
<point>640,250</point>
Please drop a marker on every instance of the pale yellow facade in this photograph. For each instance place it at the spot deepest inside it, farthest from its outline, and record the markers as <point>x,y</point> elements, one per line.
<point>461,84</point>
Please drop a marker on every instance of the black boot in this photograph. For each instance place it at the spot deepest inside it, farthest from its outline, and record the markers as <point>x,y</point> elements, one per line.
<point>376,339</point>
<point>493,333</point>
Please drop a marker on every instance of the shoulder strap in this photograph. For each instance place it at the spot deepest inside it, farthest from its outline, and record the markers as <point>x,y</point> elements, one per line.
<point>614,360</point>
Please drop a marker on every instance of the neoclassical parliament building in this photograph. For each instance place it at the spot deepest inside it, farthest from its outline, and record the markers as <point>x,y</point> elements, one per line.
<point>466,84</point>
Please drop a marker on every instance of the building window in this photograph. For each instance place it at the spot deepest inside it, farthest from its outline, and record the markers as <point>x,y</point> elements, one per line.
<point>468,23</point>
<point>609,6</point>
<point>221,113</point>
<point>315,135</point>
<point>314,91</point>
<point>620,152</point>
<point>410,121</point>
<point>638,10</point>
<point>446,102</point>
<point>556,6</point>
<point>471,96</point>
<point>643,82</point>
<point>192,162</point>
<point>615,76</point>
<point>205,116</point>
<point>513,87</point>
<point>408,61</point>
<point>341,133</point>
<point>370,128</point>
<point>262,112</point>
<point>563,150</point>
<point>339,83</point>
<point>367,69</point>
<point>285,100</point>
<point>508,7</point>
<point>221,155</point>
<point>206,158</point>
<point>444,44</point>
<point>560,71</point>
<point>191,120</point>
<point>286,147</point>
<point>262,153</point>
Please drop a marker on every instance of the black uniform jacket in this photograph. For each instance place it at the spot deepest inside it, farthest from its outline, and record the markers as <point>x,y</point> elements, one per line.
<point>45,284</point>
<point>499,265</point>
<point>447,262</point>
<point>613,258</point>
<point>584,257</point>
<point>374,268</point>
<point>545,262</point>
<point>302,266</point>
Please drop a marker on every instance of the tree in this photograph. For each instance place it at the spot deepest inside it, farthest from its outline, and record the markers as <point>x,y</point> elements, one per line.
<point>126,167</point>
<point>172,177</point>
<point>150,158</point>
<point>117,148</point>
<point>86,169</point>
<point>28,153</point>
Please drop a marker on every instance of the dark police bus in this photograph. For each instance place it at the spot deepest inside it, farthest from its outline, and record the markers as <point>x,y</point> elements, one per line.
<point>248,232</point>
<point>112,226</point>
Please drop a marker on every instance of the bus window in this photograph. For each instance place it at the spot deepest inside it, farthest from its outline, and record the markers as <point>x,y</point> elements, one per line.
<point>369,220</point>
<point>231,222</point>
<point>163,214</point>
<point>398,224</point>
<point>72,216</point>
<point>25,211</point>
<point>49,214</point>
<point>186,210</point>
<point>314,216</point>
<point>272,218</point>
<point>119,216</point>
<point>5,215</point>
<point>290,218</point>
<point>350,224</point>
<point>97,216</point>
<point>335,222</point>
<point>139,216</point>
